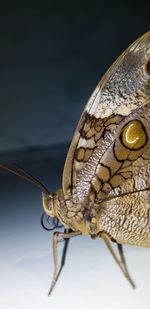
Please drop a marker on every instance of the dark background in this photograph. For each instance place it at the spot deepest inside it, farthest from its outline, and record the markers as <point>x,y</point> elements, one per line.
<point>52,56</point>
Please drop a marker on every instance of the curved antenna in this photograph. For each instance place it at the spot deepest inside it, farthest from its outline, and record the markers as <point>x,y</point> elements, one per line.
<point>35,180</point>
<point>26,176</point>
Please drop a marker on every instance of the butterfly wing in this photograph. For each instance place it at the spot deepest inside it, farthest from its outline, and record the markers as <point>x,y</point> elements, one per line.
<point>111,142</point>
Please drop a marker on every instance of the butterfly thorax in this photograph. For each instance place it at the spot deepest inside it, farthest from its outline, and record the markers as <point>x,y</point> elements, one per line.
<point>79,216</point>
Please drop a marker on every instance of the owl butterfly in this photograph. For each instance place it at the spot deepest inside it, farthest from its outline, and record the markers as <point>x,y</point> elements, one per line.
<point>106,180</point>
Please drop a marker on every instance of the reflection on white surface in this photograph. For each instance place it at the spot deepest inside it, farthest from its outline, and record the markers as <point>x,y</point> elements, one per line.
<point>90,277</point>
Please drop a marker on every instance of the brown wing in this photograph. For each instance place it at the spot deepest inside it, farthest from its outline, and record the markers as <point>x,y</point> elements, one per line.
<point>126,218</point>
<point>112,136</point>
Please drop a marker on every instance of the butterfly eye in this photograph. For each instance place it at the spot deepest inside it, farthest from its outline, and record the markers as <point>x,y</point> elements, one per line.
<point>148,67</point>
<point>134,135</point>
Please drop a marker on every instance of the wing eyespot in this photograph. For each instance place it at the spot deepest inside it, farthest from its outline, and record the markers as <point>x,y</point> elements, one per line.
<point>134,136</point>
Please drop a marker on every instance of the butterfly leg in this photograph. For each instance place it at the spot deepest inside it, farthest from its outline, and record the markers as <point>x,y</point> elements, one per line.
<point>56,238</point>
<point>121,263</point>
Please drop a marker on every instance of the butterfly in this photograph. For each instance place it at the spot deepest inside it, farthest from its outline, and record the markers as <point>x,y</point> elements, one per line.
<point>106,179</point>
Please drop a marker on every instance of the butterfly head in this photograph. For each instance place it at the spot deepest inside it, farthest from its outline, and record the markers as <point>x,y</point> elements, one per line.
<point>48,204</point>
<point>53,201</point>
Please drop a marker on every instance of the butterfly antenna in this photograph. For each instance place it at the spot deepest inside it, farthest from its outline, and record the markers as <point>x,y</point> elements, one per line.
<point>26,176</point>
<point>34,179</point>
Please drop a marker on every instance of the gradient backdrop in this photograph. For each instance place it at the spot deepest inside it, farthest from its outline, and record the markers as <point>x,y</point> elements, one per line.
<point>51,58</point>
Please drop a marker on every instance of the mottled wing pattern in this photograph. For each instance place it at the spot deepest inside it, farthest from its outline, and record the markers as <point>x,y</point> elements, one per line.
<point>116,166</point>
<point>110,152</point>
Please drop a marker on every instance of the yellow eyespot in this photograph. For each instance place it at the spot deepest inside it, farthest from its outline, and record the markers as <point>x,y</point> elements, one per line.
<point>134,135</point>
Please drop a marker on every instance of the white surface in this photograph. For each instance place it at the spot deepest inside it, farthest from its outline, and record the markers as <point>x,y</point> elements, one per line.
<point>90,277</point>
